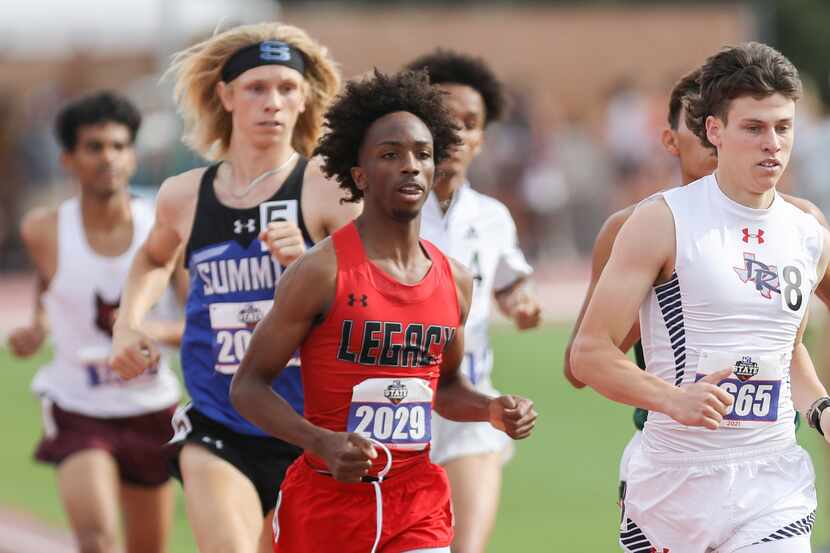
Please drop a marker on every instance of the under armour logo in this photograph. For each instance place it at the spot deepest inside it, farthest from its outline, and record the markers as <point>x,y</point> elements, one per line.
<point>759,236</point>
<point>217,443</point>
<point>364,300</point>
<point>249,226</point>
<point>655,550</point>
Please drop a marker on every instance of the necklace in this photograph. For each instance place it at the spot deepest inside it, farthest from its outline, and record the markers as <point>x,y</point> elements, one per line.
<point>247,190</point>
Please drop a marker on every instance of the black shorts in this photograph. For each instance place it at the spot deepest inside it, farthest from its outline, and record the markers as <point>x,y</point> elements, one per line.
<point>263,460</point>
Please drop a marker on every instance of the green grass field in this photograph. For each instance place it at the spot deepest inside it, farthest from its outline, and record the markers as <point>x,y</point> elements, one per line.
<point>559,490</point>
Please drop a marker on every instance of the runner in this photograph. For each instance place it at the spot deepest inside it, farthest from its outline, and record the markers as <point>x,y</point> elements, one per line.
<point>103,434</point>
<point>379,317</point>
<point>253,98</point>
<point>724,281</point>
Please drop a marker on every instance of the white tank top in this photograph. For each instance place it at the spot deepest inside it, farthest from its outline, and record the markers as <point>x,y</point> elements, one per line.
<point>743,279</point>
<point>81,305</point>
<point>478,231</point>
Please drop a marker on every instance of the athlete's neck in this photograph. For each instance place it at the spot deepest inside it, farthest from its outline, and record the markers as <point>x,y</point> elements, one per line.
<point>394,245</point>
<point>445,188</point>
<point>742,194</point>
<point>249,162</point>
<point>105,212</point>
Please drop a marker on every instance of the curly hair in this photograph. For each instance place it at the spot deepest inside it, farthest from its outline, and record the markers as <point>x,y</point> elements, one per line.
<point>364,102</point>
<point>751,69</point>
<point>102,107</point>
<point>449,67</point>
<point>688,85</point>
<point>198,69</point>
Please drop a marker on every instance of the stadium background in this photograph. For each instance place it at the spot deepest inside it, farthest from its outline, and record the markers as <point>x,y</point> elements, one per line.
<point>589,83</point>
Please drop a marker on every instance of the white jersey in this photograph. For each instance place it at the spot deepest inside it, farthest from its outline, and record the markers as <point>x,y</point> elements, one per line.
<point>81,305</point>
<point>479,232</point>
<point>743,279</point>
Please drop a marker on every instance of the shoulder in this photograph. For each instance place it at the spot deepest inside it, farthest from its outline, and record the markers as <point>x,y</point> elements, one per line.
<point>316,182</point>
<point>319,264</point>
<point>612,225</point>
<point>177,195</point>
<point>808,207</point>
<point>322,202</point>
<point>40,225</point>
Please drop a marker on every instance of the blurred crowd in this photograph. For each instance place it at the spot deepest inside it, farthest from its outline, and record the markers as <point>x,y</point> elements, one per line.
<point>560,172</point>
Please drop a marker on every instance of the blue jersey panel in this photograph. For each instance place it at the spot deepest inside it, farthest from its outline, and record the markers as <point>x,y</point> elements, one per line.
<point>231,289</point>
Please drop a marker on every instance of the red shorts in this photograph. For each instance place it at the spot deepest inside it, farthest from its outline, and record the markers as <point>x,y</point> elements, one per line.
<point>136,443</point>
<point>316,513</point>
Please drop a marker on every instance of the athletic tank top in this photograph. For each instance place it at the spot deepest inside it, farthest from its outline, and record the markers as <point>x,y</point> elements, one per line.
<point>81,304</point>
<point>232,280</point>
<point>743,279</point>
<point>372,365</point>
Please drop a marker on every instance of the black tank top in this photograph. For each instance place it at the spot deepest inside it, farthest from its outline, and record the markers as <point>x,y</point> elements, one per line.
<point>214,223</point>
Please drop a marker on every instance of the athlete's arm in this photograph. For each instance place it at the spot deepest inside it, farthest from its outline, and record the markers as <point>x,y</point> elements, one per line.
<point>304,293</point>
<point>599,257</point>
<point>39,230</point>
<point>518,302</point>
<point>806,386</point>
<point>457,400</point>
<point>170,331</point>
<point>823,289</point>
<point>512,290</point>
<point>133,350</point>
<point>634,266</point>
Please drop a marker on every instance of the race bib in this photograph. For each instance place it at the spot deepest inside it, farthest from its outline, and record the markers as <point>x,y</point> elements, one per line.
<point>395,412</point>
<point>755,386</point>
<point>233,325</point>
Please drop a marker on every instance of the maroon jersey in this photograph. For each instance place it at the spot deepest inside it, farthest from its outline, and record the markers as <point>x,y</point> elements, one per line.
<point>372,365</point>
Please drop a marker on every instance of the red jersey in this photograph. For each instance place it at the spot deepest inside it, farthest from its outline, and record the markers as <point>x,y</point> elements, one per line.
<point>372,365</point>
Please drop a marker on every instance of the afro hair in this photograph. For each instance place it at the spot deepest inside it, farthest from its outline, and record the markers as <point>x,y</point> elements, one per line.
<point>364,102</point>
<point>449,67</point>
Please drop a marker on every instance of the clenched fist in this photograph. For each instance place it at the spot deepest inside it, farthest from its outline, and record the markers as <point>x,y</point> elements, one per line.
<point>25,341</point>
<point>513,415</point>
<point>284,240</point>
<point>702,403</point>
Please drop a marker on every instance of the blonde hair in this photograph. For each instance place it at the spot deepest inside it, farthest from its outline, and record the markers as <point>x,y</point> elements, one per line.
<point>198,69</point>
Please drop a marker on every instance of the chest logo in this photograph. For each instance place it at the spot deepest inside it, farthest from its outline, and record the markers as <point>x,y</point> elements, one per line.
<point>746,368</point>
<point>764,276</point>
<point>250,315</point>
<point>364,300</point>
<point>395,392</point>
<point>759,236</point>
<point>247,226</point>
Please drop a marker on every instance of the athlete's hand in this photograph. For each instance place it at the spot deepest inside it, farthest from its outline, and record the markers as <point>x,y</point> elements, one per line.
<point>348,455</point>
<point>513,415</point>
<point>702,403</point>
<point>284,240</point>
<point>527,314</point>
<point>133,352</point>
<point>25,341</point>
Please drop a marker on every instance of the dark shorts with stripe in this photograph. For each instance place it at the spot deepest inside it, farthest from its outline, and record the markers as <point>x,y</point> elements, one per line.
<point>136,443</point>
<point>263,460</point>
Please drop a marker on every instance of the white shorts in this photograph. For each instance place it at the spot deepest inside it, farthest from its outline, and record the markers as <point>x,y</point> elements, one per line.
<point>452,440</point>
<point>717,502</point>
<point>628,452</point>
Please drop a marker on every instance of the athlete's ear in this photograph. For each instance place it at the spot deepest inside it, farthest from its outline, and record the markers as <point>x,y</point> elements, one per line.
<point>225,93</point>
<point>669,141</point>
<point>359,178</point>
<point>714,130</point>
